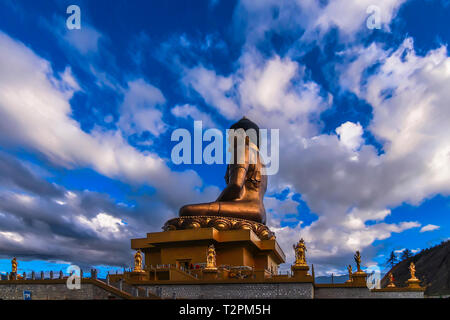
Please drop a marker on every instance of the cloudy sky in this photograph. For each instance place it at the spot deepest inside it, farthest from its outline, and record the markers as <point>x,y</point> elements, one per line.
<point>360,94</point>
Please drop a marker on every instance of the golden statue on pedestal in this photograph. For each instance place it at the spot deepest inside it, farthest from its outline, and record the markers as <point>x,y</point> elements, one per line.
<point>138,261</point>
<point>211,258</point>
<point>357,258</point>
<point>14,266</point>
<point>300,253</point>
<point>246,185</point>
<point>412,271</point>
<point>413,282</point>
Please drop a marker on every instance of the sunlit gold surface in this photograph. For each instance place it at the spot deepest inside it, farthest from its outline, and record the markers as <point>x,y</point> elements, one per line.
<point>300,253</point>
<point>211,258</point>
<point>14,265</point>
<point>138,261</point>
<point>300,267</point>
<point>413,282</point>
<point>349,268</point>
<point>219,223</point>
<point>359,278</point>
<point>239,247</point>
<point>412,271</point>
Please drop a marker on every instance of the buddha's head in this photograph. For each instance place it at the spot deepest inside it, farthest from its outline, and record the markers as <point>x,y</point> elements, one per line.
<point>247,124</point>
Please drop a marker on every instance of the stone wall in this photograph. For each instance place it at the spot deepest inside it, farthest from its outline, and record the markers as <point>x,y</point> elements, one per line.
<point>57,290</point>
<point>52,290</point>
<point>364,293</point>
<point>234,291</point>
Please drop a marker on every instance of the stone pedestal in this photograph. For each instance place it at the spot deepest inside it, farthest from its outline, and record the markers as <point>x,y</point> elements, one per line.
<point>137,275</point>
<point>413,283</point>
<point>359,279</point>
<point>210,274</point>
<point>300,273</point>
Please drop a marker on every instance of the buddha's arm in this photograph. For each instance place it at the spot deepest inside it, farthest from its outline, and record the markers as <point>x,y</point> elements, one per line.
<point>236,174</point>
<point>235,182</point>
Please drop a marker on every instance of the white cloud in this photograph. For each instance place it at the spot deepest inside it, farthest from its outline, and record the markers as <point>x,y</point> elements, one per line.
<point>350,135</point>
<point>272,93</point>
<point>85,40</point>
<point>315,18</point>
<point>277,210</point>
<point>139,112</point>
<point>429,227</point>
<point>351,16</point>
<point>35,113</point>
<point>12,236</point>
<point>188,111</point>
<point>105,225</point>
<point>213,88</point>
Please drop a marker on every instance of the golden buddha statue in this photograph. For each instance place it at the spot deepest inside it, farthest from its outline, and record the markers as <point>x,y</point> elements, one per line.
<point>300,253</point>
<point>412,271</point>
<point>246,184</point>
<point>138,261</point>
<point>350,271</point>
<point>391,280</point>
<point>14,265</point>
<point>211,258</point>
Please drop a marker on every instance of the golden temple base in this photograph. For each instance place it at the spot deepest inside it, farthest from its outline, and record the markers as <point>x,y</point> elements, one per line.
<point>239,252</point>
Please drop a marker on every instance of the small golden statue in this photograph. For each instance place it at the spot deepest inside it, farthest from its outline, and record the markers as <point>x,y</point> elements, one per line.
<point>300,250</point>
<point>357,258</point>
<point>412,271</point>
<point>413,282</point>
<point>350,272</point>
<point>138,261</point>
<point>14,265</point>
<point>211,258</point>
<point>391,280</point>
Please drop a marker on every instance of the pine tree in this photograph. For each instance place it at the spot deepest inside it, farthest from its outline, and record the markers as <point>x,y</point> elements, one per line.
<point>406,254</point>
<point>392,261</point>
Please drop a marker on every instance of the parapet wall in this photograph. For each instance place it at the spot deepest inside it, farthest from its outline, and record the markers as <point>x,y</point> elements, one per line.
<point>93,289</point>
<point>362,293</point>
<point>56,289</point>
<point>233,291</point>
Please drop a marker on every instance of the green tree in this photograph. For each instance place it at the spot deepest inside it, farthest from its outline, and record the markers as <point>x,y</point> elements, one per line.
<point>406,254</point>
<point>392,260</point>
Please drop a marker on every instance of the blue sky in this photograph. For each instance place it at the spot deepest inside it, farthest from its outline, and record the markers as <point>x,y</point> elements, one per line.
<point>86,118</point>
